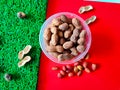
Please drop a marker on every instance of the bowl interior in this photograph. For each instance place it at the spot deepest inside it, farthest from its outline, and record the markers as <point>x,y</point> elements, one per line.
<point>76,58</point>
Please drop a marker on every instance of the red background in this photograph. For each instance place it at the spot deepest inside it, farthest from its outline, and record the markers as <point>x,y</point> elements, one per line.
<point>104,50</point>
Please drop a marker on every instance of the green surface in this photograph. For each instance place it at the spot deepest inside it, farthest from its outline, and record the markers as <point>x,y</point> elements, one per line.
<point>15,34</point>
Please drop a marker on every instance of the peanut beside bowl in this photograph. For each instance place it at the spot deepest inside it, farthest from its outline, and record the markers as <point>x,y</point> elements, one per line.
<point>43,43</point>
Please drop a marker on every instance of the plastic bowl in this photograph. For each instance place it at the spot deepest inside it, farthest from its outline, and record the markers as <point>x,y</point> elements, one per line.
<point>76,58</point>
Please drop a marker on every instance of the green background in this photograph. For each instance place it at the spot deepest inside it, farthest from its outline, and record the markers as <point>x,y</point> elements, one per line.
<point>15,34</point>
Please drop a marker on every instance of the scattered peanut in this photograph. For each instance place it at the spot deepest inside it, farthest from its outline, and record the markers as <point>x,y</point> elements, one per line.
<point>76,69</point>
<point>76,63</point>
<point>79,67</point>
<point>55,68</point>
<point>70,74</point>
<point>8,77</point>
<point>21,54</point>
<point>91,19</point>
<point>79,73</point>
<point>87,70</point>
<point>69,67</point>
<point>87,56</point>
<point>64,68</point>
<point>59,75</point>
<point>68,71</point>
<point>62,72</point>
<point>27,49</point>
<point>85,64</point>
<point>85,9</point>
<point>24,61</point>
<point>94,66</point>
<point>21,15</point>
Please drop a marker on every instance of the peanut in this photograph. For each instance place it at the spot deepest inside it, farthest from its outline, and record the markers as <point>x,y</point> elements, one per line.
<point>85,64</point>
<point>55,68</point>
<point>87,70</point>
<point>76,22</point>
<point>79,27</point>
<point>81,48</point>
<point>60,34</point>
<point>27,49</point>
<point>62,72</point>
<point>94,66</point>
<point>68,45</point>
<point>21,15</point>
<point>54,54</point>
<point>24,61</point>
<point>21,54</point>
<point>47,42</point>
<point>67,34</point>
<point>69,67</point>
<point>64,68</point>
<point>64,18</point>
<point>54,30</point>
<point>85,9</point>
<point>74,51</point>
<point>63,26</point>
<point>91,19</point>
<point>87,56</point>
<point>76,32</point>
<point>76,69</point>
<point>59,48</point>
<point>62,41</point>
<point>76,63</point>
<point>51,48</point>
<point>54,39</point>
<point>73,38</point>
<point>63,57</point>
<point>79,73</point>
<point>81,41</point>
<point>83,34</point>
<point>71,27</point>
<point>70,74</point>
<point>56,21</point>
<point>47,34</point>
<point>80,67</point>
<point>59,75</point>
<point>69,20</point>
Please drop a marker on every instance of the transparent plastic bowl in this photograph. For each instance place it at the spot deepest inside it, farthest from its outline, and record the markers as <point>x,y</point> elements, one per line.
<point>76,58</point>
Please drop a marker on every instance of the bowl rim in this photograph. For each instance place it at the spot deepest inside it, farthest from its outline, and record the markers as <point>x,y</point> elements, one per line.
<point>41,39</point>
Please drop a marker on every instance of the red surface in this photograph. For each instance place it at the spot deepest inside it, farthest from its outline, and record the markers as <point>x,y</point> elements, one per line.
<point>105,49</point>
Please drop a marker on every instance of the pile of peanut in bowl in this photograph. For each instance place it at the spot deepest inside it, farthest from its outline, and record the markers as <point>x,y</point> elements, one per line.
<point>66,38</point>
